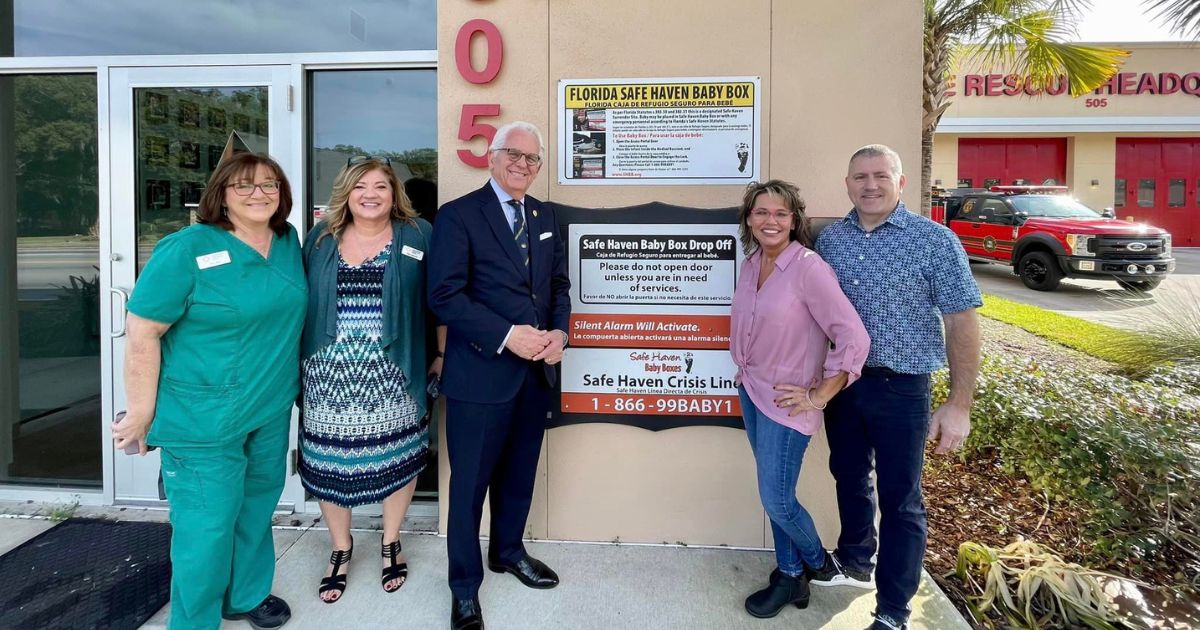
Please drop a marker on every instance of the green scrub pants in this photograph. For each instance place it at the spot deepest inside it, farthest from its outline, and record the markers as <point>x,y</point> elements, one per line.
<point>222,498</point>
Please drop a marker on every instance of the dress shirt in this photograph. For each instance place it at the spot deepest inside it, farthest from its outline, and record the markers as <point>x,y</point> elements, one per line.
<point>781,332</point>
<point>510,215</point>
<point>901,276</point>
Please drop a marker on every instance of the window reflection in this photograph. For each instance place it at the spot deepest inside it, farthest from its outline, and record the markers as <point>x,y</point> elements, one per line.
<point>179,136</point>
<point>390,113</point>
<point>1145,193</point>
<point>152,27</point>
<point>1175,192</point>
<point>50,425</point>
<point>385,113</point>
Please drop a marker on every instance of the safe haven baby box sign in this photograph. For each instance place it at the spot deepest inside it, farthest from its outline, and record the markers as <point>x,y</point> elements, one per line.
<point>650,328</point>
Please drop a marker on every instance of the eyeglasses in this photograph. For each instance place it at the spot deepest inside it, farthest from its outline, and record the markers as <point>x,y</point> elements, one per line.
<point>246,189</point>
<point>761,215</point>
<point>359,159</point>
<point>531,159</point>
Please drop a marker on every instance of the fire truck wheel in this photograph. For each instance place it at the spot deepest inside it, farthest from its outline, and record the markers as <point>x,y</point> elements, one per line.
<point>1140,286</point>
<point>1039,271</point>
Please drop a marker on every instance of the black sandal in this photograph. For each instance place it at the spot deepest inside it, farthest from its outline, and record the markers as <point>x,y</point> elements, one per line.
<point>394,571</point>
<point>336,582</point>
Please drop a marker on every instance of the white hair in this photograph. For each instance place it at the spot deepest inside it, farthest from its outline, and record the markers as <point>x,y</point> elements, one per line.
<point>501,138</point>
<point>880,150</point>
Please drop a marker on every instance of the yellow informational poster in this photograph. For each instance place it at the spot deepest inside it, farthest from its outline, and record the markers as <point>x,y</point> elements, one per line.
<point>659,131</point>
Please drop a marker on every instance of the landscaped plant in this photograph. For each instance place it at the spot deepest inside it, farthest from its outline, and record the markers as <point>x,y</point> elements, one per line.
<point>1124,451</point>
<point>1173,335</point>
<point>1032,587</point>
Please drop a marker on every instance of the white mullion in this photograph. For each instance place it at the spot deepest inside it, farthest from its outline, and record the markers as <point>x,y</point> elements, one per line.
<point>318,61</point>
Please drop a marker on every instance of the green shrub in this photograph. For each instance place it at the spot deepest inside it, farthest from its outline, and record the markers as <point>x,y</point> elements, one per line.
<point>1126,451</point>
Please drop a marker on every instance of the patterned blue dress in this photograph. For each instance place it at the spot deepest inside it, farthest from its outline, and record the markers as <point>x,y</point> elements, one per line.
<point>362,436</point>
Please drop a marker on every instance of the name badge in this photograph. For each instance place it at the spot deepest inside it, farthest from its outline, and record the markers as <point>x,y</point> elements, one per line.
<point>215,259</point>
<point>545,235</point>
<point>415,254</point>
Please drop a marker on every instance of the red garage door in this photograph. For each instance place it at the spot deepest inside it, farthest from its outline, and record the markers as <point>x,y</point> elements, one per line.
<point>985,162</point>
<point>1158,181</point>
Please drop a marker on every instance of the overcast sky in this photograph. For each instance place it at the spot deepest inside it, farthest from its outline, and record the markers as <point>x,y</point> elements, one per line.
<point>1122,21</point>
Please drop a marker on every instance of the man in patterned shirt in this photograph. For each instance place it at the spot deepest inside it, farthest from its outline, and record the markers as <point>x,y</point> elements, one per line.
<point>906,276</point>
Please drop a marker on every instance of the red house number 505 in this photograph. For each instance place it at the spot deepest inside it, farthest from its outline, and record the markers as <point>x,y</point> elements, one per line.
<point>468,127</point>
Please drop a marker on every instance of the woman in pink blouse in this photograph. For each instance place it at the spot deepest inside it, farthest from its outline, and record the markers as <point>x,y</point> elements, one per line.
<point>787,310</point>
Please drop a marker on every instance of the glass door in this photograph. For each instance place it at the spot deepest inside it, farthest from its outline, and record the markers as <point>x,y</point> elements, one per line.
<point>51,336</point>
<point>168,129</point>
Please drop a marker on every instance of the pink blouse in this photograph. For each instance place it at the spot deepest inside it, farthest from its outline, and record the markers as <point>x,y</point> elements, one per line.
<point>781,333</point>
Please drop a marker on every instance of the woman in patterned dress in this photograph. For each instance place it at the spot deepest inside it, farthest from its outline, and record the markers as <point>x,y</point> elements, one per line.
<point>364,437</point>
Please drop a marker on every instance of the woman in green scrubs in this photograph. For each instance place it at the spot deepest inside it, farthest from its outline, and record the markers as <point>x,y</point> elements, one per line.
<point>211,374</point>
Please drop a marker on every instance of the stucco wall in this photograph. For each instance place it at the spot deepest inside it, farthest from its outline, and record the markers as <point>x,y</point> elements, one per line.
<point>1178,58</point>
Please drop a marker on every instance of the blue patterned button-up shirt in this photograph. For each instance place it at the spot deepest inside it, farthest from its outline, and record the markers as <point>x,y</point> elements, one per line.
<point>901,277</point>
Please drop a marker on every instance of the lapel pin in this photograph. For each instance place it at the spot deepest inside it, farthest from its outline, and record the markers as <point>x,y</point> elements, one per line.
<point>535,213</point>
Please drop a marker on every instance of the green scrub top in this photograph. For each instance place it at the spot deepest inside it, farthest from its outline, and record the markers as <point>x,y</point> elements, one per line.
<point>231,358</point>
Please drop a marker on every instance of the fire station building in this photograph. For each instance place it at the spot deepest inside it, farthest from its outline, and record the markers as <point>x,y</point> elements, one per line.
<point>1132,145</point>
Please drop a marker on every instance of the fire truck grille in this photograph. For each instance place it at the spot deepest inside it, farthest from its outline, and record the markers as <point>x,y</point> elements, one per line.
<point>1120,247</point>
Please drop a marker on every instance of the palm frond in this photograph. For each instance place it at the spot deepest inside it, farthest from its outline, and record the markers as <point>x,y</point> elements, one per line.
<point>1183,16</point>
<point>1032,45</point>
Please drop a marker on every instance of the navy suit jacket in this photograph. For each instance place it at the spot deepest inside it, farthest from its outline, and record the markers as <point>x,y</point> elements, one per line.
<point>479,288</point>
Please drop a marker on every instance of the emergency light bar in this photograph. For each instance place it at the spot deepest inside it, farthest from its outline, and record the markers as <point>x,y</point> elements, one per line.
<point>1030,190</point>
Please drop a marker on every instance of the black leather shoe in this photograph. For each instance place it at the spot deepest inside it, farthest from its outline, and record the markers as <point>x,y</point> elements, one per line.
<point>531,571</point>
<point>782,590</point>
<point>271,613</point>
<point>465,614</point>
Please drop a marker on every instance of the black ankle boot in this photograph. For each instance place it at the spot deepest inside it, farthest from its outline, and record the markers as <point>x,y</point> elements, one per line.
<point>783,590</point>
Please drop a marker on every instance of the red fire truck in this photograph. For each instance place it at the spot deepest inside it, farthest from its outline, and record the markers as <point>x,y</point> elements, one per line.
<point>1045,236</point>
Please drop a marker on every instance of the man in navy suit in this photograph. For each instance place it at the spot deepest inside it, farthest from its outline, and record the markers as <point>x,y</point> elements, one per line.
<point>498,280</point>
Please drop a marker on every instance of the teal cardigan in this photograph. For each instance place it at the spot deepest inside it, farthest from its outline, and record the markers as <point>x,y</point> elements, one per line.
<point>404,329</point>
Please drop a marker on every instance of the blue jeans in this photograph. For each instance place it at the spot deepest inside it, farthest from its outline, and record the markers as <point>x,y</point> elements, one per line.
<point>778,453</point>
<point>880,423</point>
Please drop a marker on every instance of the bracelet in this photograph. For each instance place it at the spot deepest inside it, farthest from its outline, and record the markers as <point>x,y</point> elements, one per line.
<point>813,404</point>
<point>440,354</point>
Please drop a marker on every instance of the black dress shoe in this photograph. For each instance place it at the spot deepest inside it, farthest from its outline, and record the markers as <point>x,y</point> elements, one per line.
<point>782,590</point>
<point>531,571</point>
<point>271,613</point>
<point>465,614</point>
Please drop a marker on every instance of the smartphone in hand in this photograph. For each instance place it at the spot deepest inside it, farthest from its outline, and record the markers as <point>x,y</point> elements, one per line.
<point>132,448</point>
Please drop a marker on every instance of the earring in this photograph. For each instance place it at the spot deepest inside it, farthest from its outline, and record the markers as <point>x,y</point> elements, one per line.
<point>224,211</point>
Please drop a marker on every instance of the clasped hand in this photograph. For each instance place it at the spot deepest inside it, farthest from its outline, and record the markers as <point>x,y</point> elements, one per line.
<point>532,344</point>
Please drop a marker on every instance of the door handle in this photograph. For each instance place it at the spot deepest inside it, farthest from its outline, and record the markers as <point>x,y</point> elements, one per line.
<point>974,226</point>
<point>121,293</point>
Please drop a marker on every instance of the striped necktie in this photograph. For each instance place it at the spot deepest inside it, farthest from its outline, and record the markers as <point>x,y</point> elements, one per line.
<point>520,233</point>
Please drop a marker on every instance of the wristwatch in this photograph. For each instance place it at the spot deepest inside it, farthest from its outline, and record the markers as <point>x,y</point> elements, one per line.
<point>565,338</point>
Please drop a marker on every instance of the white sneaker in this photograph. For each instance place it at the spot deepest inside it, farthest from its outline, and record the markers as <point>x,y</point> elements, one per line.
<point>832,573</point>
<point>887,622</point>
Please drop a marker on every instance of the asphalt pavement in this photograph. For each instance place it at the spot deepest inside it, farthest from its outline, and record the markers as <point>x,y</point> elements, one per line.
<point>1103,302</point>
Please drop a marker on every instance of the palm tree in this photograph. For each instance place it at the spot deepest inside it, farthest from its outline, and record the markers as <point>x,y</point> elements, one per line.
<point>1182,15</point>
<point>1025,36</point>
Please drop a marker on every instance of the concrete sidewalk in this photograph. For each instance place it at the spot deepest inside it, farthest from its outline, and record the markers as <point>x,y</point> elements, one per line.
<point>604,586</point>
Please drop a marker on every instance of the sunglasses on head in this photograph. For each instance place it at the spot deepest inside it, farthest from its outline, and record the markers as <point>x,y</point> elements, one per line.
<point>359,159</point>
